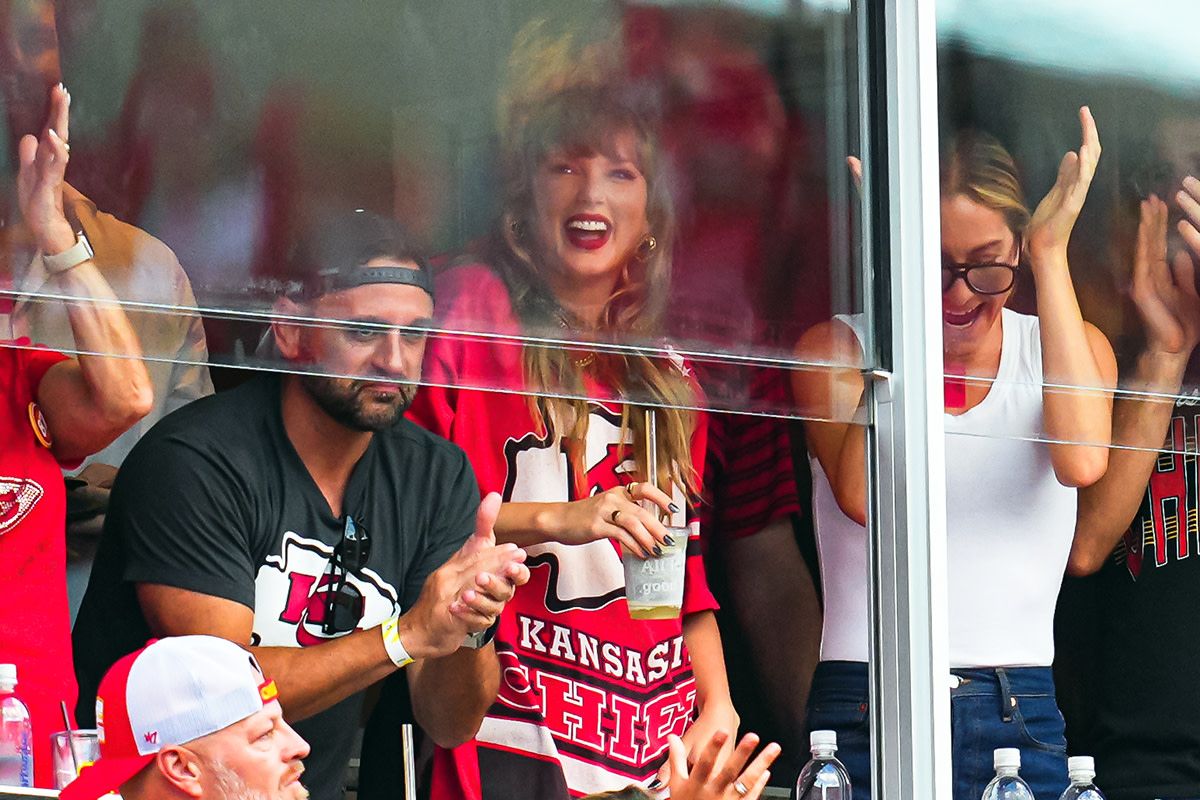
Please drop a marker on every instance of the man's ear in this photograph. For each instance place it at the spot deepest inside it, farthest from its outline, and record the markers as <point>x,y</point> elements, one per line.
<point>182,769</point>
<point>288,334</point>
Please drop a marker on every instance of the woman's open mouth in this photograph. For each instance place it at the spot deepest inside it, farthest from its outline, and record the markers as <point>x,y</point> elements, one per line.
<point>961,319</point>
<point>588,231</point>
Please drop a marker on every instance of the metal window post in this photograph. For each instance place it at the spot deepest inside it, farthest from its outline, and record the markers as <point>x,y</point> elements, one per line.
<point>910,677</point>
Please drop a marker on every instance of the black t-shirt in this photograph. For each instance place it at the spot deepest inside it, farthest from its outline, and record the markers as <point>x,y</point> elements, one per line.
<point>1147,709</point>
<point>216,500</point>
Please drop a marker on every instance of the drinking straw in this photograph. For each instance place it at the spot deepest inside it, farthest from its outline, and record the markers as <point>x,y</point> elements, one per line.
<point>70,735</point>
<point>652,458</point>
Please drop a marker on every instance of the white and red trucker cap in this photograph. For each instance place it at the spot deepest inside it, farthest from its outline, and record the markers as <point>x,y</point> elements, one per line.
<point>170,692</point>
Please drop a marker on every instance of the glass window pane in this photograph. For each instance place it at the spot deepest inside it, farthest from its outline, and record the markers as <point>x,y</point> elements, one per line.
<point>1073,134</point>
<point>638,230</point>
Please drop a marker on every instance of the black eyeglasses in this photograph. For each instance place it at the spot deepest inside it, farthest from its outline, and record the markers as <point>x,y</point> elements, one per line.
<point>988,277</point>
<point>985,278</point>
<point>343,602</point>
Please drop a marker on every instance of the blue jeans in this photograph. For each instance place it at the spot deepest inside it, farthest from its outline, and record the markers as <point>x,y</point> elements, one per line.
<point>838,702</point>
<point>1010,707</point>
<point>990,708</point>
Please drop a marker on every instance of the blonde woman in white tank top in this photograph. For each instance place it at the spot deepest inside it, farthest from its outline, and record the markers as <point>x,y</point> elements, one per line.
<point>1010,501</point>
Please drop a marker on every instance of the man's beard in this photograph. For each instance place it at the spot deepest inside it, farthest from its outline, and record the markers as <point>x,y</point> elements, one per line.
<point>346,402</point>
<point>232,786</point>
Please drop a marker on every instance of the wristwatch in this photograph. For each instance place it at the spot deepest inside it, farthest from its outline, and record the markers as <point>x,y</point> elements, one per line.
<point>474,641</point>
<point>73,256</point>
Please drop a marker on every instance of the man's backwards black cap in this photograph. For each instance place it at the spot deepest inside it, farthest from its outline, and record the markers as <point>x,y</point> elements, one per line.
<point>333,255</point>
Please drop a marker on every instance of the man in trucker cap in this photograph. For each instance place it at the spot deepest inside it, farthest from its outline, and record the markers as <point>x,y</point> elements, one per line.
<point>191,717</point>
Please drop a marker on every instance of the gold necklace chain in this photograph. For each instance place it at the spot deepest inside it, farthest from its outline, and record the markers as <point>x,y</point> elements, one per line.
<point>565,324</point>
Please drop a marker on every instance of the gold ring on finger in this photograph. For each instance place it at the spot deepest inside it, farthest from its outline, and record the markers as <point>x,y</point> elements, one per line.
<point>630,488</point>
<point>613,516</point>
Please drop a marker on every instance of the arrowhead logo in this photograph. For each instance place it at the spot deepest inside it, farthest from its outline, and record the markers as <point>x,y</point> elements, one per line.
<point>18,496</point>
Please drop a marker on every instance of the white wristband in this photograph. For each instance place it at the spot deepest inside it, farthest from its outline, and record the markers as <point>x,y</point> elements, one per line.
<point>391,642</point>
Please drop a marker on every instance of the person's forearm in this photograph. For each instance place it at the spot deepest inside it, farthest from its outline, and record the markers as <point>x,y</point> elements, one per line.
<point>110,356</point>
<point>527,524</point>
<point>1139,421</point>
<point>451,694</point>
<point>775,601</point>
<point>311,679</point>
<point>703,640</point>
<point>1082,413</point>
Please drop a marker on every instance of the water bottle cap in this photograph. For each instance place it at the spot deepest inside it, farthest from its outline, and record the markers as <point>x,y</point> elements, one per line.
<point>823,739</point>
<point>1006,757</point>
<point>1084,766</point>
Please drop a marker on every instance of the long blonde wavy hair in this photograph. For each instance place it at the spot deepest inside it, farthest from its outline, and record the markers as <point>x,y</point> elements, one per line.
<point>589,117</point>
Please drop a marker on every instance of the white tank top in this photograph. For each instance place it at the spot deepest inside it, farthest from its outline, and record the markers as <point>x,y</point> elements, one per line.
<point>1009,525</point>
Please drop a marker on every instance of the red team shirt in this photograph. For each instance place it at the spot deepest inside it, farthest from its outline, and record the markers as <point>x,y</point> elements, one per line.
<point>35,630</point>
<point>587,695</point>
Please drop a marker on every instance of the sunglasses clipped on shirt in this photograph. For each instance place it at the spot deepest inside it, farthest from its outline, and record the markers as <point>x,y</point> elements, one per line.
<point>987,277</point>
<point>343,602</point>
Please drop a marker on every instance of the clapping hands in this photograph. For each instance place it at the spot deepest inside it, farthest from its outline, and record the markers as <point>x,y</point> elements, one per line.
<point>467,593</point>
<point>1054,218</point>
<point>1165,293</point>
<point>42,172</point>
<point>736,777</point>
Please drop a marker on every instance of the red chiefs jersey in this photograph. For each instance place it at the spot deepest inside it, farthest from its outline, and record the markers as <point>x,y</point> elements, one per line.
<point>35,628</point>
<point>587,695</point>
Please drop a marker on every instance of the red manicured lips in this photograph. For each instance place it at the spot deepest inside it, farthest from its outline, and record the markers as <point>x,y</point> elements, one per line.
<point>588,231</point>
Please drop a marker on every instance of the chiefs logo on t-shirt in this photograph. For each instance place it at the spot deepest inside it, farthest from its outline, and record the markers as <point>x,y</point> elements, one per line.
<point>18,496</point>
<point>291,592</point>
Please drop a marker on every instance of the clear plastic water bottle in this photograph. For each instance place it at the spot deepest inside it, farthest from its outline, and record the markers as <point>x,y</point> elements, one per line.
<point>1082,771</point>
<point>16,733</point>
<point>1007,785</point>
<point>824,777</point>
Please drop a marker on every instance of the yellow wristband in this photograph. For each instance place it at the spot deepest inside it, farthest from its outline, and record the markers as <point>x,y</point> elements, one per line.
<point>390,629</point>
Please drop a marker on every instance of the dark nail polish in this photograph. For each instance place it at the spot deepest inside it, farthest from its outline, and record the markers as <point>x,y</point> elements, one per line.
<point>654,785</point>
<point>657,551</point>
<point>674,509</point>
<point>668,540</point>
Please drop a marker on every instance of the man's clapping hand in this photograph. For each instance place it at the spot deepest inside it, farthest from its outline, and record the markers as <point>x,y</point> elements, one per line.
<point>467,593</point>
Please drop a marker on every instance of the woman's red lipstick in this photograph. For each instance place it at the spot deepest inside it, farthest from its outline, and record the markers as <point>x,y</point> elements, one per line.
<point>588,231</point>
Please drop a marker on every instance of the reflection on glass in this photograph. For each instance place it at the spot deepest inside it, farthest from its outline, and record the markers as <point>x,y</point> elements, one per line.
<point>226,149</point>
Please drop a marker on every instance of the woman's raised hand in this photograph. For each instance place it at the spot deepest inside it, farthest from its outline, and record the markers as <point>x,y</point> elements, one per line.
<point>1189,202</point>
<point>715,779</point>
<point>1053,220</point>
<point>617,514</point>
<point>1165,294</point>
<point>43,164</point>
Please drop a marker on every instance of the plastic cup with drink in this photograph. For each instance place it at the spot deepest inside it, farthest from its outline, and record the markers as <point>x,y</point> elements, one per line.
<point>85,742</point>
<point>654,586</point>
